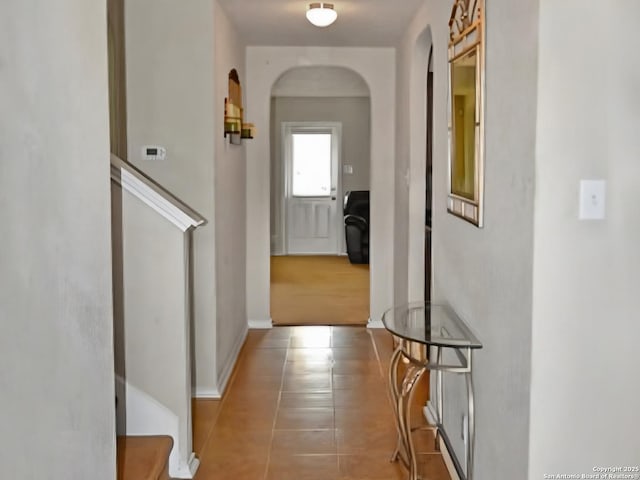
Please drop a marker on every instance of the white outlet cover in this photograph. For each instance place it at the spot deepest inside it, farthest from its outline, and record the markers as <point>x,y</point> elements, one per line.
<point>592,199</point>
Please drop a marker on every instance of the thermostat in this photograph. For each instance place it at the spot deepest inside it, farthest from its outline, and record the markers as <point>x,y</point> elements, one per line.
<point>153,152</point>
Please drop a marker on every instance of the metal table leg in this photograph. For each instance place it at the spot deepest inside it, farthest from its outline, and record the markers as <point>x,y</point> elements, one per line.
<point>401,447</point>
<point>471,423</point>
<point>402,394</point>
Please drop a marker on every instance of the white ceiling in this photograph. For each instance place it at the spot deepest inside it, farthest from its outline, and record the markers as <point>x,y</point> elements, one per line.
<point>360,23</point>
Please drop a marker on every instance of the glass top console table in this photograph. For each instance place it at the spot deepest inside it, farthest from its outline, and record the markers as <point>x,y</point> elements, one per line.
<point>421,332</point>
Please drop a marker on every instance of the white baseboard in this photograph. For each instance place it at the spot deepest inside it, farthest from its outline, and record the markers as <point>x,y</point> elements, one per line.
<point>188,470</point>
<point>206,393</point>
<point>262,324</point>
<point>216,393</point>
<point>227,369</point>
<point>374,323</point>
<point>429,412</point>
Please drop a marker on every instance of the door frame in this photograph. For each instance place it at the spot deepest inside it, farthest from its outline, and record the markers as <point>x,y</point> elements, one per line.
<point>428,181</point>
<point>335,129</point>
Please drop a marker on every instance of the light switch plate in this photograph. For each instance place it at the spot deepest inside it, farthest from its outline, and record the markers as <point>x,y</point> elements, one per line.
<point>592,199</point>
<point>347,169</point>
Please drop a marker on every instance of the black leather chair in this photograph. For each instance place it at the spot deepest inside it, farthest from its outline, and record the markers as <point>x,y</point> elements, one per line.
<point>356,225</point>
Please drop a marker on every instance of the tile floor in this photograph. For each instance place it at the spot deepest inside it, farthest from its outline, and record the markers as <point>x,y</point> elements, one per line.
<point>308,403</point>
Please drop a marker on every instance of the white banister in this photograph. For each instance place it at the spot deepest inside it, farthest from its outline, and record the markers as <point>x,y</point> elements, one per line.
<point>155,196</point>
<point>152,311</point>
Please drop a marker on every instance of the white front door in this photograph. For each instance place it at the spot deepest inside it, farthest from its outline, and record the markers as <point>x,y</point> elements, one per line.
<point>312,198</point>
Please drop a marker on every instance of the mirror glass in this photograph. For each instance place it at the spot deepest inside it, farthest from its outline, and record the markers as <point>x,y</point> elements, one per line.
<point>463,121</point>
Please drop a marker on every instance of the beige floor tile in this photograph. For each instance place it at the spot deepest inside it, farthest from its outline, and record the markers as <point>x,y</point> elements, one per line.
<point>246,380</point>
<point>241,418</point>
<point>306,400</point>
<point>309,403</point>
<point>352,367</point>
<point>233,467</point>
<point>351,342</point>
<point>311,356</point>
<point>432,467</point>
<point>277,331</point>
<point>303,467</point>
<point>264,356</point>
<point>298,442</point>
<point>259,342</point>
<point>362,441</point>
<point>310,341</point>
<point>346,353</point>
<point>370,467</point>
<point>358,397</point>
<point>248,398</point>
<point>231,441</point>
<point>204,414</point>
<point>357,380</point>
<point>308,382</point>
<point>370,419</point>
<point>271,369</point>
<point>312,331</point>
<point>305,419</point>
<point>304,368</point>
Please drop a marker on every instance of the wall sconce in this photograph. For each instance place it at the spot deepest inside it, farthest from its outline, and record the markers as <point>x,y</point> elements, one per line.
<point>234,126</point>
<point>321,14</point>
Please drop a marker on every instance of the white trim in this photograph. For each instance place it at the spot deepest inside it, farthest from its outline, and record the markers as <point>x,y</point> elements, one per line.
<point>374,323</point>
<point>429,412</point>
<point>138,184</point>
<point>227,369</point>
<point>207,393</point>
<point>216,393</point>
<point>260,324</point>
<point>430,415</point>
<point>187,470</point>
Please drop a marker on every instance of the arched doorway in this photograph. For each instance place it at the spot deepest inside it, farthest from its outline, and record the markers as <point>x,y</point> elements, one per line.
<point>320,150</point>
<point>265,65</point>
<point>420,195</point>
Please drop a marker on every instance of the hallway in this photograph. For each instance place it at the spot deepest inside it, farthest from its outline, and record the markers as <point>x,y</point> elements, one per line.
<point>308,403</point>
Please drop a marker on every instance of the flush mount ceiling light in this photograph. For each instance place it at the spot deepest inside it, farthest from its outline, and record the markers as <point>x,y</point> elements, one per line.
<point>321,14</point>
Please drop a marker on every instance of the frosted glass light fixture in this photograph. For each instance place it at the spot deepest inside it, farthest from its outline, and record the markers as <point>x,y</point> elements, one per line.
<point>321,14</point>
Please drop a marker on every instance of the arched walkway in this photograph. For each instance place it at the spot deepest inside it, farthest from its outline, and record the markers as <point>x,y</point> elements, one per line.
<point>377,67</point>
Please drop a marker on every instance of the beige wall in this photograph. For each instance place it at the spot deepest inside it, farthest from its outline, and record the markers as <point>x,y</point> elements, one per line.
<point>584,388</point>
<point>544,291</point>
<point>230,206</point>
<point>485,274</point>
<point>181,107</point>
<point>170,102</point>
<point>56,346</point>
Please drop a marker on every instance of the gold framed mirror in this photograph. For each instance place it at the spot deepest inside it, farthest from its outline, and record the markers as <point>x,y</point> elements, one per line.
<point>466,111</point>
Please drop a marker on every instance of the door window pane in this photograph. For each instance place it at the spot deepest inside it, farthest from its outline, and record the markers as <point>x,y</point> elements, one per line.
<point>311,164</point>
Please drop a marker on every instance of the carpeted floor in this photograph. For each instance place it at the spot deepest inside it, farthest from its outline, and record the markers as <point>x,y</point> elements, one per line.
<point>318,290</point>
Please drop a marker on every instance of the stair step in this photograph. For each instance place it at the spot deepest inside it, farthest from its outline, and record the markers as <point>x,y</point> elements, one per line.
<point>144,458</point>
